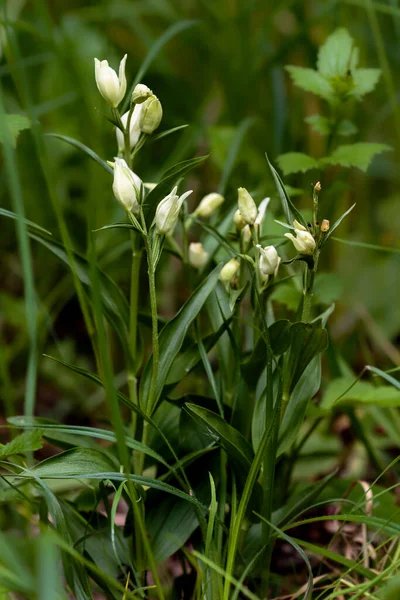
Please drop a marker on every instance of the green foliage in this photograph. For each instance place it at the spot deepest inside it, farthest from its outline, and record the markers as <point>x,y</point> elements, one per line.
<point>15,124</point>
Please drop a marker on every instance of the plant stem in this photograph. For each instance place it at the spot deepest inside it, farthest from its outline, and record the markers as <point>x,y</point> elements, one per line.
<point>154,325</point>
<point>133,312</point>
<point>309,276</point>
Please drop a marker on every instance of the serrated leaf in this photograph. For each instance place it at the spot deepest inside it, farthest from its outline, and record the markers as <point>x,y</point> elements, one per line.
<point>336,56</point>
<point>311,81</point>
<point>295,162</point>
<point>365,81</point>
<point>357,155</point>
<point>29,441</point>
<point>15,124</point>
<point>319,124</point>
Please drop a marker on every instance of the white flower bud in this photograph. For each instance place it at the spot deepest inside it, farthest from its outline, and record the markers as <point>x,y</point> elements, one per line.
<point>151,115</point>
<point>126,186</point>
<point>238,220</point>
<point>110,85</point>
<point>229,271</point>
<point>269,261</point>
<point>134,129</point>
<point>304,241</point>
<point>208,204</point>
<point>262,208</point>
<point>247,206</point>
<point>197,255</point>
<point>141,93</point>
<point>325,225</point>
<point>168,211</point>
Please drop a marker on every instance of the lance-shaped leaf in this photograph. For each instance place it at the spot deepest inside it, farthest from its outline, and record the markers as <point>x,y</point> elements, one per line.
<point>288,207</point>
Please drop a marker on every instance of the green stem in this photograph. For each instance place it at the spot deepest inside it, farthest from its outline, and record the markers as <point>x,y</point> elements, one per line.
<point>133,312</point>
<point>154,325</point>
<point>309,276</point>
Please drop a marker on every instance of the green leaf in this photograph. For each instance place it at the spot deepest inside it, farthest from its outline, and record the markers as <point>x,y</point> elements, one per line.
<point>336,225</point>
<point>319,124</point>
<point>346,128</point>
<point>357,155</point>
<point>308,340</point>
<point>223,434</point>
<point>384,375</point>
<point>166,184</point>
<point>327,288</point>
<point>26,442</point>
<point>288,207</point>
<point>344,392</point>
<point>49,429</point>
<point>336,57</point>
<point>83,149</point>
<point>365,81</point>
<point>295,162</point>
<point>77,462</point>
<point>15,124</point>
<point>172,336</point>
<point>288,295</point>
<point>311,81</point>
<point>11,215</point>
<point>303,392</point>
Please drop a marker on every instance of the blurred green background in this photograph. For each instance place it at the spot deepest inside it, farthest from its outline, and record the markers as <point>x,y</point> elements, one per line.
<point>218,66</point>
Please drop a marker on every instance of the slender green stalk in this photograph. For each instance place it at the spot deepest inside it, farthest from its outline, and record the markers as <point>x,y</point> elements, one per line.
<point>133,312</point>
<point>154,324</point>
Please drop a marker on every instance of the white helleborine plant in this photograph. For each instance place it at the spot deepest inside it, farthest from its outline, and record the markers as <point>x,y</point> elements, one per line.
<point>304,241</point>
<point>110,85</point>
<point>134,129</point>
<point>197,255</point>
<point>168,211</point>
<point>269,261</point>
<point>126,186</point>
<point>247,206</point>
<point>209,204</point>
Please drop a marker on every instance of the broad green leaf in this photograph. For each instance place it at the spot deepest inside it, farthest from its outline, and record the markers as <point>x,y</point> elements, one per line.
<point>290,211</point>
<point>223,434</point>
<point>172,336</point>
<point>114,303</point>
<point>336,56</point>
<point>364,81</point>
<point>308,340</point>
<point>77,462</point>
<point>15,124</point>
<point>357,155</point>
<point>48,429</point>
<point>7,213</point>
<point>169,180</point>
<point>295,162</point>
<point>327,288</point>
<point>83,149</point>
<point>319,124</point>
<point>344,391</point>
<point>26,442</point>
<point>288,295</point>
<point>391,589</point>
<point>311,81</point>
<point>303,392</point>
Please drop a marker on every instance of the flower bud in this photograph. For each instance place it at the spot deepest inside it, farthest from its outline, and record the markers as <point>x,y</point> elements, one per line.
<point>229,271</point>
<point>269,261</point>
<point>318,186</point>
<point>197,255</point>
<point>325,225</point>
<point>134,129</point>
<point>247,206</point>
<point>110,85</point>
<point>262,208</point>
<point>151,115</point>
<point>126,186</point>
<point>304,241</point>
<point>168,211</point>
<point>209,204</point>
<point>141,93</point>
<point>238,220</point>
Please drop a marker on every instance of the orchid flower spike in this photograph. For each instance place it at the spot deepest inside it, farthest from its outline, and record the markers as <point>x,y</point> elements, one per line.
<point>304,241</point>
<point>168,211</point>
